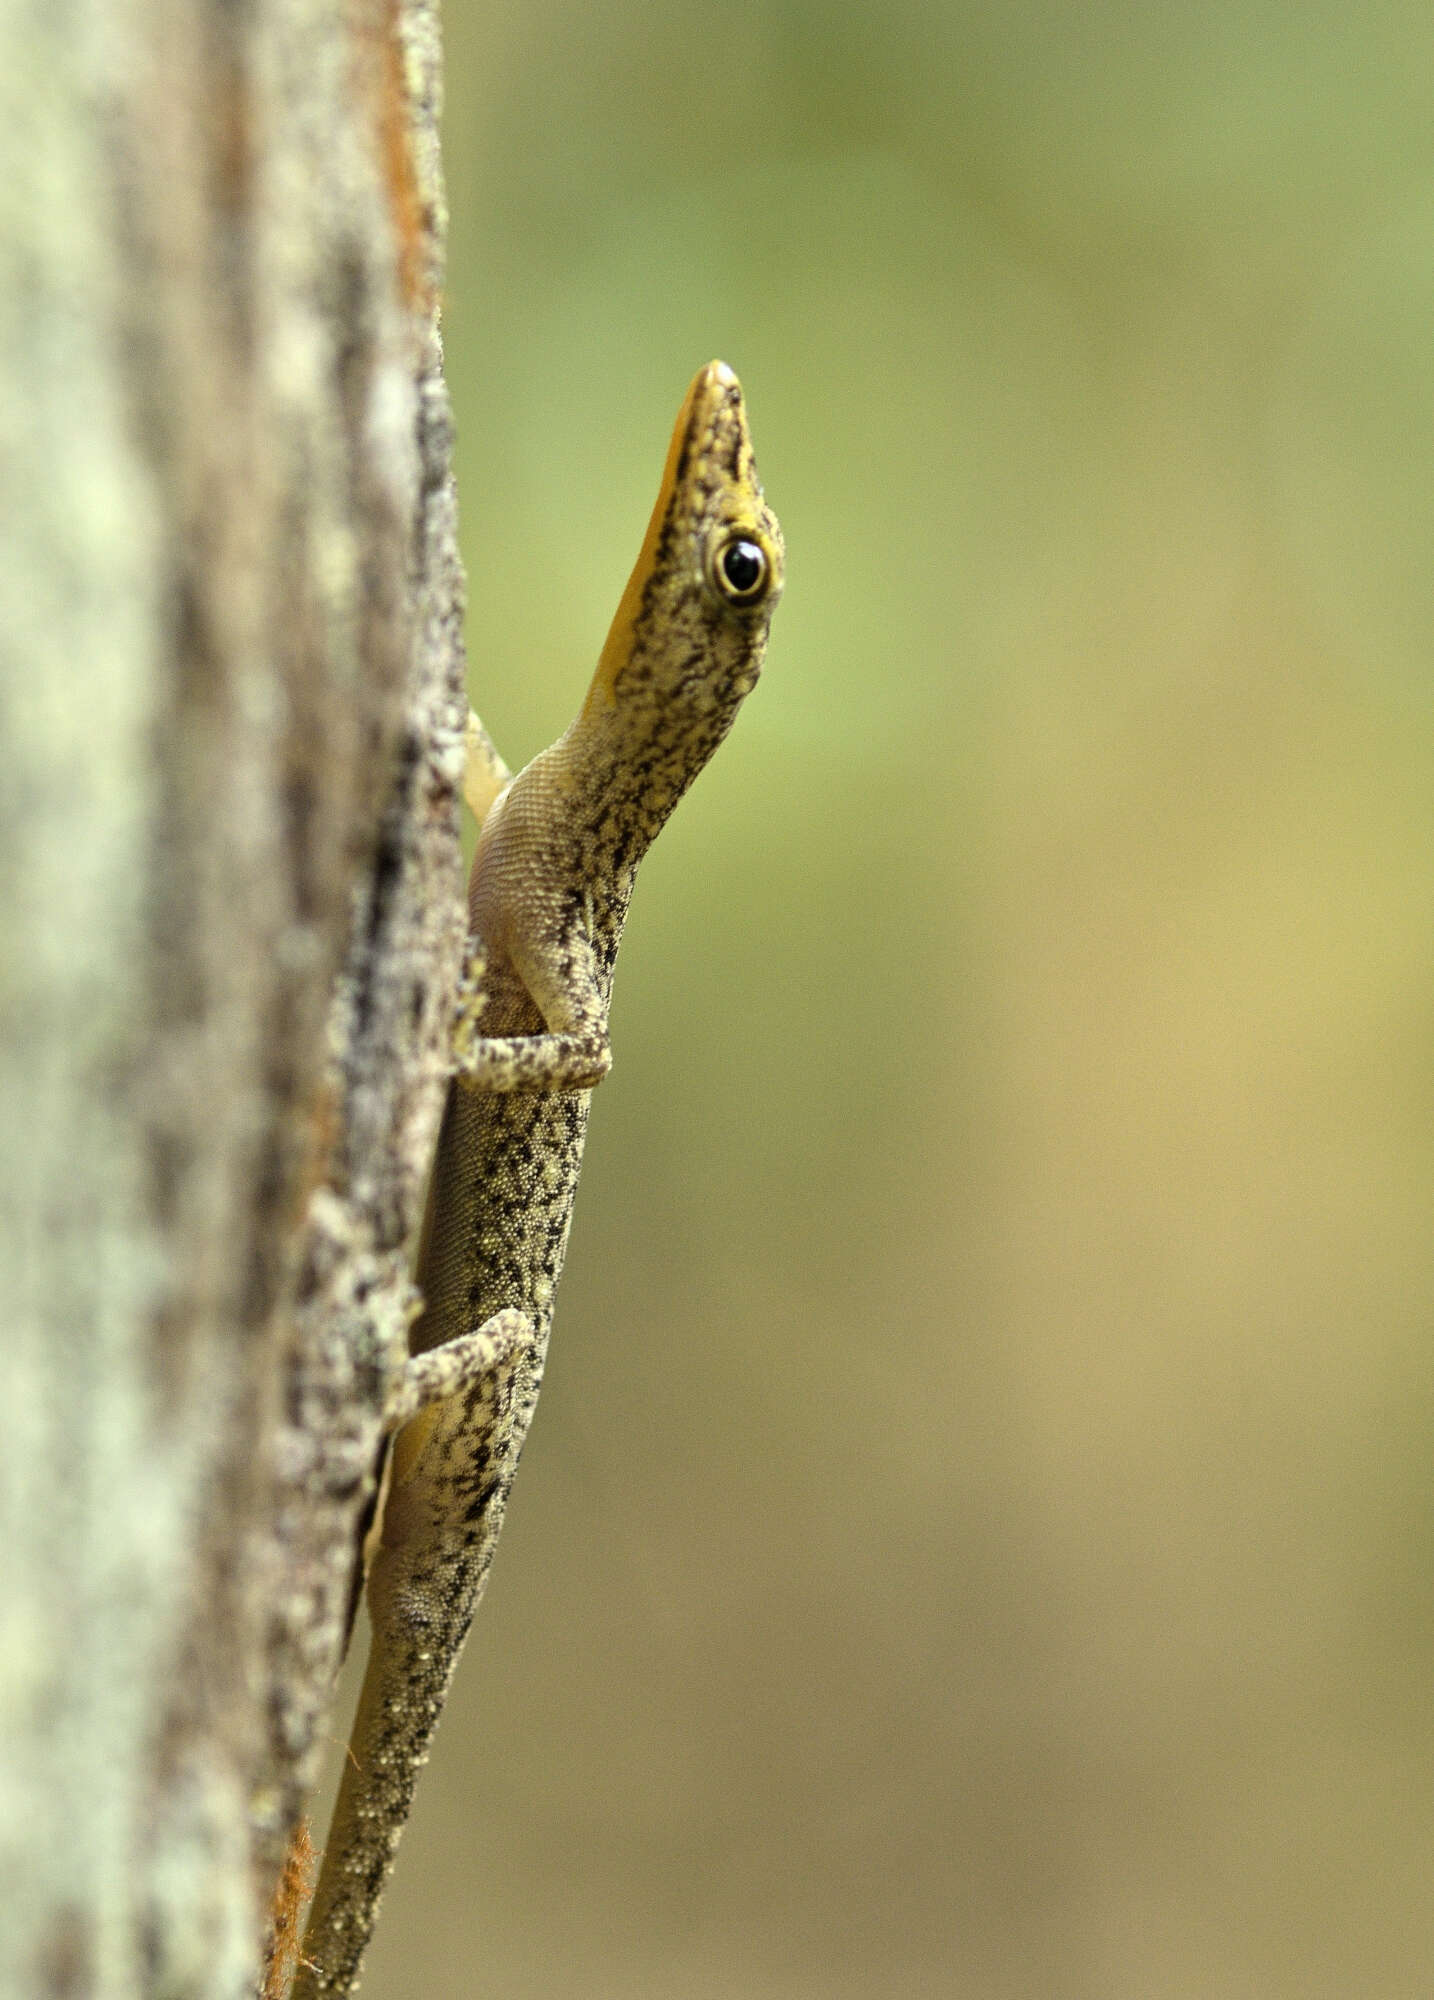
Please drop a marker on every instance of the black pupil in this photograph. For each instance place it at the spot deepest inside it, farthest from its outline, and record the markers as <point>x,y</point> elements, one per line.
<point>744,566</point>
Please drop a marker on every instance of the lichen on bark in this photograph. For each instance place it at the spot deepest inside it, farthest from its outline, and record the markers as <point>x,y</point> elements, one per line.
<point>230,741</point>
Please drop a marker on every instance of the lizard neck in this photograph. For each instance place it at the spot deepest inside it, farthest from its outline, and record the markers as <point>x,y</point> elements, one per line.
<point>634,757</point>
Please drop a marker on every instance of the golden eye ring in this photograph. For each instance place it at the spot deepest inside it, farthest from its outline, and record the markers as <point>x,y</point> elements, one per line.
<point>741,570</point>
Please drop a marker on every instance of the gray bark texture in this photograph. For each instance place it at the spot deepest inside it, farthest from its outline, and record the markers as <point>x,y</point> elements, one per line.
<point>231,710</point>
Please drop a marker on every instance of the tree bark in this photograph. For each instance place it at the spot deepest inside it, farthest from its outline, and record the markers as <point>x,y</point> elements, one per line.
<point>231,718</point>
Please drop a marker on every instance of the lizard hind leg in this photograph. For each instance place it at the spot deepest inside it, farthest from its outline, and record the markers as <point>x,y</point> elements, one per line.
<point>463,1409</point>
<point>446,1370</point>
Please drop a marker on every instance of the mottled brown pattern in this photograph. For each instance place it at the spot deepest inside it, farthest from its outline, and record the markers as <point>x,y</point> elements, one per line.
<point>548,896</point>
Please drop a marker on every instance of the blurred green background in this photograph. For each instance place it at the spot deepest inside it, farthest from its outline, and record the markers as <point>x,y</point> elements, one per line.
<point>978,1537</point>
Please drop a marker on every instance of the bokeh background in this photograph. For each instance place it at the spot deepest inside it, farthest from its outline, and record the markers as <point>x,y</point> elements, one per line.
<point>978,1537</point>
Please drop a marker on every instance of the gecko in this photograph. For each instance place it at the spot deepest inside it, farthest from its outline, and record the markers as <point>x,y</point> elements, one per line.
<point>558,851</point>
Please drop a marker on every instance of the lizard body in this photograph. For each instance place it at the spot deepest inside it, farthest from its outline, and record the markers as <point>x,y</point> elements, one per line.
<point>557,855</point>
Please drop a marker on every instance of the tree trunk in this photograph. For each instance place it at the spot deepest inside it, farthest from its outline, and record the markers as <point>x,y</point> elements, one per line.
<point>229,751</point>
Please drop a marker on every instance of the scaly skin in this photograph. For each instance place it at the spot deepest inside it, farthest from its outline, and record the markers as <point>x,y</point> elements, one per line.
<point>551,880</point>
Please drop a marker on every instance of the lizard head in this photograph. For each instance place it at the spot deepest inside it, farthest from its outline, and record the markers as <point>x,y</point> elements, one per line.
<point>691,630</point>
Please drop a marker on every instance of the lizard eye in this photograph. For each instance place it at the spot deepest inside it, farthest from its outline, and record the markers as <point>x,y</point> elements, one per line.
<point>741,570</point>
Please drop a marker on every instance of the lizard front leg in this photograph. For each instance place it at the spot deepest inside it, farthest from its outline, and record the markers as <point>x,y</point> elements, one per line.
<point>559,975</point>
<point>484,772</point>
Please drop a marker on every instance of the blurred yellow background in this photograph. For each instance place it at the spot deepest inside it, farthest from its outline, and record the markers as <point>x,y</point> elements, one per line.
<point>978,1536</point>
